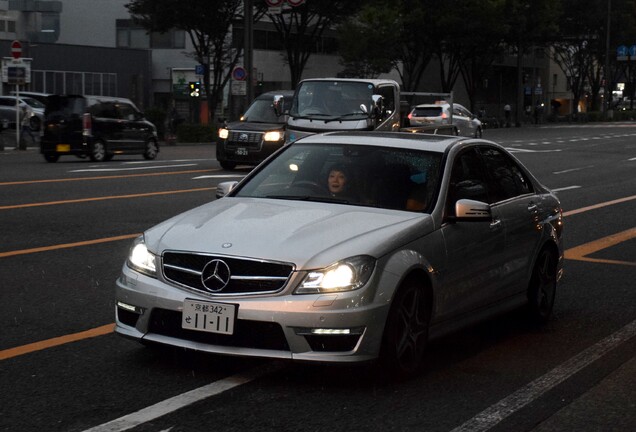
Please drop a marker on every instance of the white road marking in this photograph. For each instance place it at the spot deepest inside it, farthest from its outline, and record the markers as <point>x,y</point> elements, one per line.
<point>168,406</point>
<point>565,188</point>
<point>518,150</point>
<point>493,415</point>
<point>132,169</point>
<point>573,169</point>
<point>218,176</point>
<point>165,161</point>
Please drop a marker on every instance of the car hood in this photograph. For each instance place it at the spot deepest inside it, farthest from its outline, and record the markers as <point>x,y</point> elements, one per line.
<point>307,234</point>
<point>254,127</point>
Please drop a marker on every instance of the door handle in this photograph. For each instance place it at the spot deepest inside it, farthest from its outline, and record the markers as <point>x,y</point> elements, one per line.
<point>496,225</point>
<point>533,208</point>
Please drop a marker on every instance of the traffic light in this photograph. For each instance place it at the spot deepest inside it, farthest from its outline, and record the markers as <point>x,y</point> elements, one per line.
<point>195,89</point>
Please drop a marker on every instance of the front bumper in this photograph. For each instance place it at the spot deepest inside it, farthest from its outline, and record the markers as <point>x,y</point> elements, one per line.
<point>282,325</point>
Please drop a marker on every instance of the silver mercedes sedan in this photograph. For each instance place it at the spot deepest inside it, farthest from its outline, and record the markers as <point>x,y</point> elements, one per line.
<point>349,247</point>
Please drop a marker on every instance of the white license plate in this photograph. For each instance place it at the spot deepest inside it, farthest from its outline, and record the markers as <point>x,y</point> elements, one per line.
<point>208,316</point>
<point>241,151</point>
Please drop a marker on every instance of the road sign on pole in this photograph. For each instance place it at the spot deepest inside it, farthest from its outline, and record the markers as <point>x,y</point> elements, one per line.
<point>16,49</point>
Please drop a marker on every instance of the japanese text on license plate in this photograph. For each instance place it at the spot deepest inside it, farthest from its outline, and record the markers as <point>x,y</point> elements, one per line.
<point>208,316</point>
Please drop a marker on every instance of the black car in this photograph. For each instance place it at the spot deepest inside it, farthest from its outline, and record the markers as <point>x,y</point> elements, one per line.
<point>258,134</point>
<point>96,126</point>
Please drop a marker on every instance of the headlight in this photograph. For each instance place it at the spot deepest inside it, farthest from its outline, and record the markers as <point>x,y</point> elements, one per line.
<point>140,259</point>
<point>223,133</point>
<point>346,275</point>
<point>273,136</point>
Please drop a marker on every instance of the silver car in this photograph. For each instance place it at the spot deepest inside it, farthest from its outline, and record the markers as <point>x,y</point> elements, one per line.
<point>467,123</point>
<point>429,234</point>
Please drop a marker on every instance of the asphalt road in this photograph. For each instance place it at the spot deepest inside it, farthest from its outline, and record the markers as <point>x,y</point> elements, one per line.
<point>65,232</point>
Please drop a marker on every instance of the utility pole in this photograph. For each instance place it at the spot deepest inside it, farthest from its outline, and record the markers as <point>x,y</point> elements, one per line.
<point>248,49</point>
<point>608,96</point>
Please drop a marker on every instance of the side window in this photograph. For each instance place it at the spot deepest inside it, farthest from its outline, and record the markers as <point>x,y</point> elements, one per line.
<point>104,110</point>
<point>506,179</point>
<point>467,180</point>
<point>388,93</point>
<point>126,112</point>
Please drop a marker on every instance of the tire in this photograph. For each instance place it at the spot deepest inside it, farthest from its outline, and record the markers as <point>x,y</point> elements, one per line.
<point>542,287</point>
<point>229,166</point>
<point>152,149</point>
<point>51,157</point>
<point>98,151</point>
<point>406,331</point>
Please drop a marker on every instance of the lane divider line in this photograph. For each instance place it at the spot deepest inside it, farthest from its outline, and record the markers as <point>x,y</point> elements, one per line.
<point>599,205</point>
<point>67,245</point>
<point>507,406</point>
<point>61,340</point>
<point>81,200</point>
<point>580,252</point>
<point>24,182</point>
<point>175,403</point>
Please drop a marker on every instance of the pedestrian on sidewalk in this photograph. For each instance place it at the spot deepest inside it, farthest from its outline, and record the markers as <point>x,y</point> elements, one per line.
<point>26,129</point>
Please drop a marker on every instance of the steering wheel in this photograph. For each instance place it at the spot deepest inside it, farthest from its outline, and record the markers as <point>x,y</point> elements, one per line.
<point>311,185</point>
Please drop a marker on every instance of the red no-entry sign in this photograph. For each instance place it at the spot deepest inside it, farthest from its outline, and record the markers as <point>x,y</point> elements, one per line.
<point>16,49</point>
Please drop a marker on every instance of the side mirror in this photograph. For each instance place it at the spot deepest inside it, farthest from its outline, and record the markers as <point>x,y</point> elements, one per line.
<point>225,188</point>
<point>472,211</point>
<point>278,105</point>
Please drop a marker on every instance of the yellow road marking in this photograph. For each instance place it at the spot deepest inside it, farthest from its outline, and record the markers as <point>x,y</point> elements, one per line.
<point>140,195</point>
<point>104,177</point>
<point>599,205</point>
<point>61,340</point>
<point>66,245</point>
<point>580,252</point>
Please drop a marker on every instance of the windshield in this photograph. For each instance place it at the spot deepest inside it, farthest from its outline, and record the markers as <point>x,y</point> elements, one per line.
<point>262,111</point>
<point>332,99</point>
<point>385,177</point>
<point>33,103</point>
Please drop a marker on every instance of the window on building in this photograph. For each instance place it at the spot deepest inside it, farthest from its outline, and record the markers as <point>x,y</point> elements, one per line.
<point>3,26</point>
<point>11,26</point>
<point>131,35</point>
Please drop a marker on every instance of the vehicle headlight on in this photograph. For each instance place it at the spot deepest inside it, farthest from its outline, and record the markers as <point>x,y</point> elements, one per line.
<point>223,133</point>
<point>273,136</point>
<point>140,259</point>
<point>346,275</point>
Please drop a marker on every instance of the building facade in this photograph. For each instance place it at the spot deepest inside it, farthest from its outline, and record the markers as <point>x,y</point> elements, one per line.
<point>94,47</point>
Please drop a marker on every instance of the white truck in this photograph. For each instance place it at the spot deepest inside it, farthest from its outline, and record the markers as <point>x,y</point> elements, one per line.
<point>347,104</point>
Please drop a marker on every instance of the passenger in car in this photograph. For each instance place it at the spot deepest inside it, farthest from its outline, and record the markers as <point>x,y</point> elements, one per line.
<point>417,200</point>
<point>339,182</point>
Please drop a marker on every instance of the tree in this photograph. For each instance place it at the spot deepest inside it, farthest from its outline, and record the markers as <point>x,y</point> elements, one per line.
<point>529,24</point>
<point>207,24</point>
<point>367,41</point>
<point>480,42</point>
<point>301,28</point>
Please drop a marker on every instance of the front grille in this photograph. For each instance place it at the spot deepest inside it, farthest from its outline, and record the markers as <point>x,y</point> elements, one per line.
<point>247,276</point>
<point>247,334</point>
<point>250,140</point>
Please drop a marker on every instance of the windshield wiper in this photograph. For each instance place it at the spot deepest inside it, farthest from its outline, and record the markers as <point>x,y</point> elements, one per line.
<point>341,117</point>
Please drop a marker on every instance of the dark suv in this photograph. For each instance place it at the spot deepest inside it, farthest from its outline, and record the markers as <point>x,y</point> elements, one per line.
<point>96,126</point>
<point>258,134</point>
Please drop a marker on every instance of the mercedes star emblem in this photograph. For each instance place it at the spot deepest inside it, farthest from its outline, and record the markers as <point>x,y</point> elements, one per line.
<point>215,275</point>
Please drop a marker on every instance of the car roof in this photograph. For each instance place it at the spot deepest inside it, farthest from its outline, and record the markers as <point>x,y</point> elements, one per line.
<point>407,140</point>
<point>273,93</point>
<point>375,82</point>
